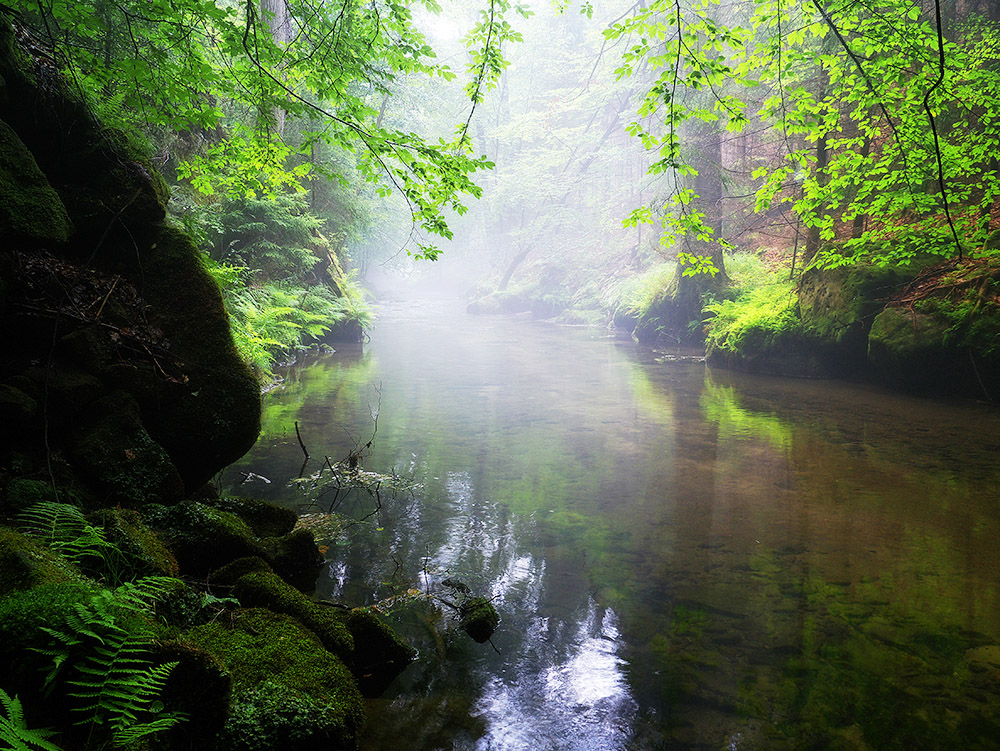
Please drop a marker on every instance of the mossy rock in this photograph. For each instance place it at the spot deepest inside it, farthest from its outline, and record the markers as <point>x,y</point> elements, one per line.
<point>143,552</point>
<point>228,575</point>
<point>479,618</point>
<point>289,692</point>
<point>837,308</point>
<point>121,460</point>
<point>296,558</point>
<point>909,351</point>
<point>215,419</point>
<point>267,590</point>
<point>30,209</point>
<point>348,331</point>
<point>202,538</point>
<point>23,493</point>
<point>71,391</point>
<point>488,305</point>
<point>18,414</point>
<point>25,563</point>
<point>264,518</point>
<point>22,616</point>
<point>379,655</point>
<point>88,348</point>
<point>199,687</point>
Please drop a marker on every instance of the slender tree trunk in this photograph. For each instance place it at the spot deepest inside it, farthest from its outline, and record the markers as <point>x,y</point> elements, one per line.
<point>279,21</point>
<point>858,228</point>
<point>822,160</point>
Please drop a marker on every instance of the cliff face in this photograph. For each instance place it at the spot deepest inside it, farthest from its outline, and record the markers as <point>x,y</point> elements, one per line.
<point>118,374</point>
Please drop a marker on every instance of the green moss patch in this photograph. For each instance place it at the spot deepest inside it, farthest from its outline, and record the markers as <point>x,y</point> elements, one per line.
<point>201,537</point>
<point>289,692</point>
<point>479,618</point>
<point>263,589</point>
<point>143,553</point>
<point>24,563</point>
<point>265,519</point>
<point>29,207</point>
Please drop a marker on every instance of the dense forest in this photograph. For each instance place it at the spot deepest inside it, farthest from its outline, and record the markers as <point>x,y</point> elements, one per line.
<point>196,191</point>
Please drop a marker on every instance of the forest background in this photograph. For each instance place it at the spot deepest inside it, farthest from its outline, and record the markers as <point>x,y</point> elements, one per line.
<point>673,167</point>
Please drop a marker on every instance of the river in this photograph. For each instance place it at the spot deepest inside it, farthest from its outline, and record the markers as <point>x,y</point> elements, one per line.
<point>683,558</point>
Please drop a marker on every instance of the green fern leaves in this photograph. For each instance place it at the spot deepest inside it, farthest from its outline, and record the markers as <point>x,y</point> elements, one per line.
<point>65,530</point>
<point>103,656</point>
<point>15,734</point>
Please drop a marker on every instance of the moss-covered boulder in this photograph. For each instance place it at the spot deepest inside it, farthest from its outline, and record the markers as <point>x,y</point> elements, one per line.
<point>228,575</point>
<point>837,307</point>
<point>379,655</point>
<point>289,692</point>
<point>22,616</point>
<point>121,460</point>
<point>215,418</point>
<point>267,590</point>
<point>199,686</point>
<point>143,553</point>
<point>24,563</point>
<point>202,538</point>
<point>264,518</point>
<point>82,229</point>
<point>30,210</point>
<point>296,558</point>
<point>479,618</point>
<point>18,413</point>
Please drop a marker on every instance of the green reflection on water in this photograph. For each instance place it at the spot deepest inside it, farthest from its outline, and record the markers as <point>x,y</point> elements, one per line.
<point>793,567</point>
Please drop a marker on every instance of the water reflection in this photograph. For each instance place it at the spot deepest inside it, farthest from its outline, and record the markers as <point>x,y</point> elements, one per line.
<point>564,693</point>
<point>682,559</point>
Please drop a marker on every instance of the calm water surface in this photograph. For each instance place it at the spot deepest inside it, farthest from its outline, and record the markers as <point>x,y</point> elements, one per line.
<point>683,558</point>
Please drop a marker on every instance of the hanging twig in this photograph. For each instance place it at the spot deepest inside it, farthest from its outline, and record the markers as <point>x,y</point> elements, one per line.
<point>299,436</point>
<point>930,117</point>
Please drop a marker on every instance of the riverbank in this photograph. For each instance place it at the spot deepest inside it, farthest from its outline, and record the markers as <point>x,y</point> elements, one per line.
<point>138,607</point>
<point>930,326</point>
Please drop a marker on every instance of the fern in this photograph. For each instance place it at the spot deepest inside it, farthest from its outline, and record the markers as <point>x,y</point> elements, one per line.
<point>64,529</point>
<point>105,643</point>
<point>15,734</point>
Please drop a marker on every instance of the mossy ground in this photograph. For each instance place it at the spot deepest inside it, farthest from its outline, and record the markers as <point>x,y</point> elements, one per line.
<point>289,691</point>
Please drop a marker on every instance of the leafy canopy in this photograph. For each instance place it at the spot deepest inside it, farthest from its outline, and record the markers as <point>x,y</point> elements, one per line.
<point>214,71</point>
<point>905,107</point>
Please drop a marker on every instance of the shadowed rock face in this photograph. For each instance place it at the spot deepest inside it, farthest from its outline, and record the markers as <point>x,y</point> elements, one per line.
<point>112,326</point>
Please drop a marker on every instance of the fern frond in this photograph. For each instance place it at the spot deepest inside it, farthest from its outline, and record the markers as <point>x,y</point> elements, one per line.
<point>52,522</point>
<point>126,736</point>
<point>15,734</point>
<point>143,593</point>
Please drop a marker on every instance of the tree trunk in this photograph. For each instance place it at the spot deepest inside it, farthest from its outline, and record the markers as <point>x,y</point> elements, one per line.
<point>279,21</point>
<point>822,159</point>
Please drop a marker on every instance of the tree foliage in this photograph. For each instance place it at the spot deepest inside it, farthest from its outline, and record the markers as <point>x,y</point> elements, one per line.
<point>883,114</point>
<point>212,71</point>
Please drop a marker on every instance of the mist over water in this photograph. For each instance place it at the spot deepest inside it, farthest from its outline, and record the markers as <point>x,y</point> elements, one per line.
<point>682,558</point>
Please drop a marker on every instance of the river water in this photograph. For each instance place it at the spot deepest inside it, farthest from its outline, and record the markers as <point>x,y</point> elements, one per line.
<point>683,558</point>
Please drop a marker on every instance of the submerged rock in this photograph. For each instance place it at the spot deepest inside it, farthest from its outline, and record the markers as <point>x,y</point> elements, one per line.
<point>379,655</point>
<point>479,618</point>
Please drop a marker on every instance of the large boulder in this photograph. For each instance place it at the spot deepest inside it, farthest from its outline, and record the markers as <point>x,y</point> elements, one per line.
<point>99,296</point>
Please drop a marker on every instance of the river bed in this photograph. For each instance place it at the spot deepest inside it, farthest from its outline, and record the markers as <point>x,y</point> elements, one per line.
<point>683,558</point>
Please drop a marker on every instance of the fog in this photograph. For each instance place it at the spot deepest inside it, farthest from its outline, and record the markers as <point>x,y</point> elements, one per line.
<point>566,171</point>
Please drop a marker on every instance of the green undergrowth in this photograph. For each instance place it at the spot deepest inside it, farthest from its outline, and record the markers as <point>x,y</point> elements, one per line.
<point>758,306</point>
<point>758,317</point>
<point>637,296</point>
<point>278,266</point>
<point>272,320</point>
